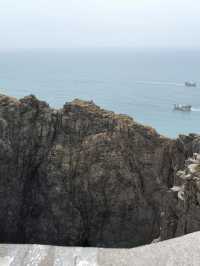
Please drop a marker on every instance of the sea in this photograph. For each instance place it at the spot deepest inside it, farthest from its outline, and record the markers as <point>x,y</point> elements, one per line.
<point>143,83</point>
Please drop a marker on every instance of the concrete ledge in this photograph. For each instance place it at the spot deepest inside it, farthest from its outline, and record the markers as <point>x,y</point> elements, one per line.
<point>182,251</point>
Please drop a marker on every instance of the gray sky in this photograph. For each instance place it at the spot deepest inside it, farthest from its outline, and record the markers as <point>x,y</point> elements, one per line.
<point>94,23</point>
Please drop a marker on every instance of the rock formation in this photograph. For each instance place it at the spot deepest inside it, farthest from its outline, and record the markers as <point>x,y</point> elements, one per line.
<point>181,211</point>
<point>83,176</point>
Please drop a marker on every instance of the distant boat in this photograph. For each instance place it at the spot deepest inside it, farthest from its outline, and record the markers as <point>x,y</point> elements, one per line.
<point>190,84</point>
<point>183,108</point>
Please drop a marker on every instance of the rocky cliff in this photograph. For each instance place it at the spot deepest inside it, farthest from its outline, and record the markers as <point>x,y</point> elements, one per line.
<point>83,176</point>
<point>181,208</point>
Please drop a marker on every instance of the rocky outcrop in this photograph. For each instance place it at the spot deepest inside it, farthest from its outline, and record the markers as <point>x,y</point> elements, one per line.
<point>181,213</point>
<point>83,176</point>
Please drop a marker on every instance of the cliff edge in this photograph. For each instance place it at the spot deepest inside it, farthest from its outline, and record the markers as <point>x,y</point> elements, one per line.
<point>84,176</point>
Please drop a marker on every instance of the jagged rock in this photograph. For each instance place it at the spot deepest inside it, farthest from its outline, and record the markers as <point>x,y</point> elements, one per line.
<point>185,210</point>
<point>85,176</point>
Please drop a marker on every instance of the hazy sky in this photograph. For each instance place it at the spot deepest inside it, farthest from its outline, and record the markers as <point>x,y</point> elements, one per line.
<point>91,23</point>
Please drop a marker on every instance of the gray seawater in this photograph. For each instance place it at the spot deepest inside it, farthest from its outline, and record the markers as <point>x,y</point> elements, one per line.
<point>142,84</point>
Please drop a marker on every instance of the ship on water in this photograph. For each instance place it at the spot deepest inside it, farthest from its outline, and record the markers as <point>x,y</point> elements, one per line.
<point>190,84</point>
<point>183,108</point>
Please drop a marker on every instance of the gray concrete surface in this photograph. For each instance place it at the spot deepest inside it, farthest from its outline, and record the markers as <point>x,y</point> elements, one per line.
<point>183,251</point>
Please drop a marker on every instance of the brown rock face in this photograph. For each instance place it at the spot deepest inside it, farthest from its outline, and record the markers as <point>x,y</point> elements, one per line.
<point>84,176</point>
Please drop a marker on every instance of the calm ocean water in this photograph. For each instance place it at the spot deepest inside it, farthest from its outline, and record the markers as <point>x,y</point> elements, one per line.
<point>142,84</point>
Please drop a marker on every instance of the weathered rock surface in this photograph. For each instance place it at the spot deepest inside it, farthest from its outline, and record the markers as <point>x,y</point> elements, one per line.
<point>83,176</point>
<point>181,211</point>
<point>182,251</point>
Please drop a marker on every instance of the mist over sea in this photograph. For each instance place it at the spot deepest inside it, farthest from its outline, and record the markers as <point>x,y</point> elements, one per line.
<point>144,84</point>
